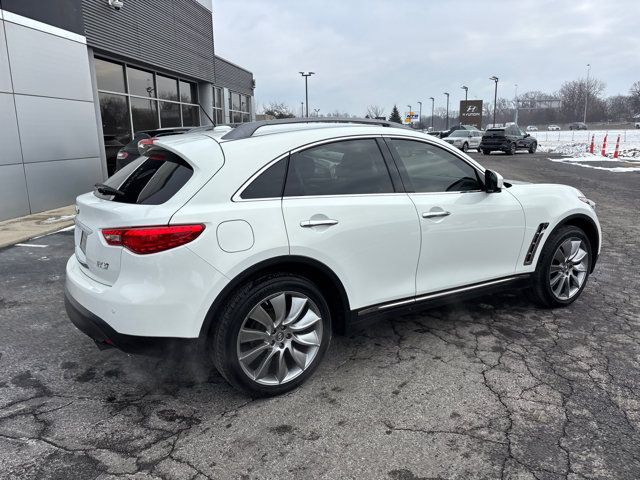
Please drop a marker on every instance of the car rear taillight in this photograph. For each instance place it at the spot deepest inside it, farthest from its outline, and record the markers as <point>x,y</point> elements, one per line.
<point>122,155</point>
<point>144,145</point>
<point>145,240</point>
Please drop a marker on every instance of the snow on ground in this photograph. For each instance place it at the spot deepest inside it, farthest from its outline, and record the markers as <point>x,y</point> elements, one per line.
<point>574,147</point>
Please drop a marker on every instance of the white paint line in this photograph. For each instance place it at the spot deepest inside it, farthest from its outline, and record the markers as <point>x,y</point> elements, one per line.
<point>30,245</point>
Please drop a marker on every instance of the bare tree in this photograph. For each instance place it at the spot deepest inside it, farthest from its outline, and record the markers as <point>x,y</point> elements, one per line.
<point>634,92</point>
<point>573,95</point>
<point>375,111</point>
<point>278,110</point>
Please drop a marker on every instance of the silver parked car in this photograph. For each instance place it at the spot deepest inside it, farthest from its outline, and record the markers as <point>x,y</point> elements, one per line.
<point>465,139</point>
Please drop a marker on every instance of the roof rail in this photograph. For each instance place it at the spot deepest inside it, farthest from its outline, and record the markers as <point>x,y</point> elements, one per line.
<point>246,130</point>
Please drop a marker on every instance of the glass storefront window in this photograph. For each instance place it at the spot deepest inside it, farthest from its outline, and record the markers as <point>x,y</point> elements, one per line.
<point>167,88</point>
<point>188,92</point>
<point>141,83</point>
<point>144,114</point>
<point>190,116</point>
<point>169,114</point>
<point>115,114</point>
<point>217,99</point>
<point>110,76</point>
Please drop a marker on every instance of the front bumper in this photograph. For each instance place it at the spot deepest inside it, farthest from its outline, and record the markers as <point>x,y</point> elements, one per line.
<point>106,337</point>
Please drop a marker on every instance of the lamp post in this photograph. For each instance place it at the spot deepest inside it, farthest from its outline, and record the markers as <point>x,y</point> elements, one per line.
<point>466,91</point>
<point>420,116</point>
<point>516,116</point>
<point>301,109</point>
<point>447,94</point>
<point>410,118</point>
<point>306,88</point>
<point>433,102</point>
<point>586,94</point>
<point>495,98</point>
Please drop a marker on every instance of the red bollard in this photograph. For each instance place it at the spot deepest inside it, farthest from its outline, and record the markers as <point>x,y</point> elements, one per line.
<point>615,153</point>
<point>591,147</point>
<point>604,146</point>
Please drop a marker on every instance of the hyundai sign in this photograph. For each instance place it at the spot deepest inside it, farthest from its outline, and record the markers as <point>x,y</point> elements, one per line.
<point>471,113</point>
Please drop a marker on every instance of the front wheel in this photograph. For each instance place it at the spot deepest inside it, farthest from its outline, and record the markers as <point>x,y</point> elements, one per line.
<point>272,334</point>
<point>465,147</point>
<point>486,151</point>
<point>533,147</point>
<point>563,268</point>
<point>511,149</point>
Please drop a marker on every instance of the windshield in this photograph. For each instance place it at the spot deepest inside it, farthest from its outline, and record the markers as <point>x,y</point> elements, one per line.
<point>460,133</point>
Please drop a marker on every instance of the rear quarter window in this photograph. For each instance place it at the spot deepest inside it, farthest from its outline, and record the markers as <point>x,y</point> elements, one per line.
<point>149,180</point>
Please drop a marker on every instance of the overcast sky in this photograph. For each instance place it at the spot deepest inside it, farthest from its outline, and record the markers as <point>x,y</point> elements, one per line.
<point>398,52</point>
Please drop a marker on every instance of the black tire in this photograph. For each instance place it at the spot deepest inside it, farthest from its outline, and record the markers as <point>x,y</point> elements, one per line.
<point>486,151</point>
<point>533,147</point>
<point>465,147</point>
<point>541,291</point>
<point>512,149</point>
<point>224,337</point>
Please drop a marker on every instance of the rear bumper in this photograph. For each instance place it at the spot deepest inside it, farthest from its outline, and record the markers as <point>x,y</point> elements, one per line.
<point>106,337</point>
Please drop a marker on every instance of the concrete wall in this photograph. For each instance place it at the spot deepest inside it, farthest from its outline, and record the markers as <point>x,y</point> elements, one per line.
<point>49,142</point>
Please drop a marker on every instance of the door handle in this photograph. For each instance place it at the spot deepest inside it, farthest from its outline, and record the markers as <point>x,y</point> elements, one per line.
<point>443,213</point>
<point>317,223</point>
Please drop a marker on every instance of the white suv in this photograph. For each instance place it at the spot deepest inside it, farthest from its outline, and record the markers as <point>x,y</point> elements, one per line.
<point>259,244</point>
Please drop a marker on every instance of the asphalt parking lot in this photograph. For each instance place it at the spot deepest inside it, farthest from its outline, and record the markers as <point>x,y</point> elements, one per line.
<point>493,388</point>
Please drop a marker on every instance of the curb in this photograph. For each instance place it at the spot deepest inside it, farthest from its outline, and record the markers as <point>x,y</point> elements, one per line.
<point>20,229</point>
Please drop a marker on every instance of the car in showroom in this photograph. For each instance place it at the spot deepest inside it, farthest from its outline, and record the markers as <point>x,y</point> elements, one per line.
<point>465,139</point>
<point>553,128</point>
<point>578,126</point>
<point>507,139</point>
<point>256,246</point>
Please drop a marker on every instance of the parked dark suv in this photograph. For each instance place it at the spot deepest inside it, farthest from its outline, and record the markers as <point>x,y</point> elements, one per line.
<point>578,126</point>
<point>508,140</point>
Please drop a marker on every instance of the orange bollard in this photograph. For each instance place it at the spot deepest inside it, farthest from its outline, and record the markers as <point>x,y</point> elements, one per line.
<point>604,146</point>
<point>591,147</point>
<point>615,153</point>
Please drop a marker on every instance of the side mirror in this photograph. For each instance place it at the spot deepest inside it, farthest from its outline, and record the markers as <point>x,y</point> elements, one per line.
<point>493,181</point>
<point>526,135</point>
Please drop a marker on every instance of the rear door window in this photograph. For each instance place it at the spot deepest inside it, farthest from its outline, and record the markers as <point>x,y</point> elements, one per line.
<point>149,180</point>
<point>348,167</point>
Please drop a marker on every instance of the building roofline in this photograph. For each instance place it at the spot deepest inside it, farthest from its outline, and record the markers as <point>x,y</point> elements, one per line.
<point>234,64</point>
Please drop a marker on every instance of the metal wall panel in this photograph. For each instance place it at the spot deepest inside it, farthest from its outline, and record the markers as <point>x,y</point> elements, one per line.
<point>65,14</point>
<point>56,184</point>
<point>9,140</point>
<point>174,35</point>
<point>55,129</point>
<point>5,74</point>
<point>47,65</point>
<point>233,77</point>
<point>13,192</point>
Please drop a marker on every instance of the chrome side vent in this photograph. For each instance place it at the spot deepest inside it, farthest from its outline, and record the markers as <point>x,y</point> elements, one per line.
<point>534,243</point>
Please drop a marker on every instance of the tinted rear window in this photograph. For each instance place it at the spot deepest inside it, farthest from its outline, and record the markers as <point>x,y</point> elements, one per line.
<point>495,131</point>
<point>150,180</point>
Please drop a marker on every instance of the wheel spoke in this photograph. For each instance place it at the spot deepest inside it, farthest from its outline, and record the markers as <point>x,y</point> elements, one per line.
<point>308,339</point>
<point>260,315</point>
<point>283,370</point>
<point>310,318</point>
<point>575,247</point>
<point>297,305</point>
<point>279,304</point>
<point>555,269</point>
<point>299,357</point>
<point>579,255</point>
<point>555,280</point>
<point>250,335</point>
<point>263,368</point>
<point>251,355</point>
<point>580,267</point>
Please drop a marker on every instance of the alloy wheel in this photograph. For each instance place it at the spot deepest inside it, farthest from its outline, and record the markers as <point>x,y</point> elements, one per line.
<point>279,338</point>
<point>568,270</point>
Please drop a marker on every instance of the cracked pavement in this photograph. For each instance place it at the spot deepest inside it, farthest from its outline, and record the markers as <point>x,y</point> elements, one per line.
<point>490,388</point>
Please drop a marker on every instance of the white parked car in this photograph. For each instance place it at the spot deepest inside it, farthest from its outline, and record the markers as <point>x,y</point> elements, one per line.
<point>465,139</point>
<point>260,244</point>
<point>532,128</point>
<point>553,128</point>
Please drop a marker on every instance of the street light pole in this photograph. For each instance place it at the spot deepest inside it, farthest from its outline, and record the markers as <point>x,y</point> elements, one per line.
<point>516,118</point>
<point>433,102</point>
<point>410,116</point>
<point>586,94</point>
<point>306,88</point>
<point>420,116</point>
<point>495,98</point>
<point>466,91</point>
<point>302,109</point>
<point>447,94</point>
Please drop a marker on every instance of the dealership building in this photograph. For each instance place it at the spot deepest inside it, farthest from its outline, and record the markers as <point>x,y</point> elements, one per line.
<point>78,77</point>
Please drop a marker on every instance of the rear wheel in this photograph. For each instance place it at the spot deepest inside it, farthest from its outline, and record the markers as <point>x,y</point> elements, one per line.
<point>533,147</point>
<point>511,149</point>
<point>272,334</point>
<point>563,268</point>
